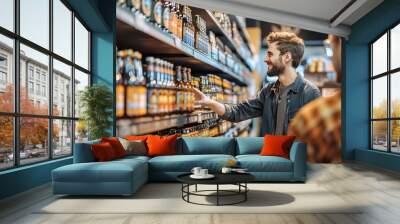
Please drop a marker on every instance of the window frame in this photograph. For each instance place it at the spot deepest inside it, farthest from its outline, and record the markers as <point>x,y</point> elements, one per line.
<point>16,114</point>
<point>388,74</point>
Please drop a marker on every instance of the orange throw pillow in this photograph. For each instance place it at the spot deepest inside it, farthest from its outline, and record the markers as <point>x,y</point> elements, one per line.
<point>161,145</point>
<point>276,145</point>
<point>116,145</point>
<point>136,137</point>
<point>103,152</point>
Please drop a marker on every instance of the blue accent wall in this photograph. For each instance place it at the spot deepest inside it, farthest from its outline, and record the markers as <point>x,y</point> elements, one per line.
<point>24,178</point>
<point>356,85</point>
<point>99,16</point>
<point>103,54</point>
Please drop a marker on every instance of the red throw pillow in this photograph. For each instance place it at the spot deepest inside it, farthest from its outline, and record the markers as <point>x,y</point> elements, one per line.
<point>161,145</point>
<point>103,151</point>
<point>276,145</point>
<point>116,145</point>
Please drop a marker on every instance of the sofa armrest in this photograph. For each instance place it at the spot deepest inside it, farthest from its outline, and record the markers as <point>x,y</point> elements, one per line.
<point>298,155</point>
<point>83,152</point>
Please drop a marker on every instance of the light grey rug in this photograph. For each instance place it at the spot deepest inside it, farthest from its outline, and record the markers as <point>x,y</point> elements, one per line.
<point>166,198</point>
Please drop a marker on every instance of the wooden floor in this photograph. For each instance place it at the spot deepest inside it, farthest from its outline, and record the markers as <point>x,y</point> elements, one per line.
<point>378,189</point>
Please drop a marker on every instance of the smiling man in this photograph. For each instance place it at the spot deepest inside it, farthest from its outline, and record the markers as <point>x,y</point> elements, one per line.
<point>278,102</point>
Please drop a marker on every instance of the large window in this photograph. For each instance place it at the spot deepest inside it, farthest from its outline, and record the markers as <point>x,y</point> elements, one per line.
<point>385,92</point>
<point>44,64</point>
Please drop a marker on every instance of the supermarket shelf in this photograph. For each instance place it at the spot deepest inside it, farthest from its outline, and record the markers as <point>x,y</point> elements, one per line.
<point>237,128</point>
<point>146,125</point>
<point>153,40</point>
<point>244,33</point>
<point>213,25</point>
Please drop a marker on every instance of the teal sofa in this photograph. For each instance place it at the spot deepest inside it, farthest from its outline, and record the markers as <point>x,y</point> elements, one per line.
<point>125,176</point>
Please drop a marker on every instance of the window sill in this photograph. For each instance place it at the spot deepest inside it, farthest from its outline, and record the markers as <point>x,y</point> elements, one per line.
<point>26,167</point>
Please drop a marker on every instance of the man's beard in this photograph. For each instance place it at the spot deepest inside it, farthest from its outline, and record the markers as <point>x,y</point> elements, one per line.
<point>276,69</point>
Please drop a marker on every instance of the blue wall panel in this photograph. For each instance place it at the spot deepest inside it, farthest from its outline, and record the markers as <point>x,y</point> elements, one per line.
<point>99,16</point>
<point>356,84</point>
<point>24,178</point>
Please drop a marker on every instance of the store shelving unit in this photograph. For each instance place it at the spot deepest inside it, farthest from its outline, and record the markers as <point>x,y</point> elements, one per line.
<point>242,29</point>
<point>213,25</point>
<point>237,129</point>
<point>145,125</point>
<point>134,31</point>
<point>152,40</point>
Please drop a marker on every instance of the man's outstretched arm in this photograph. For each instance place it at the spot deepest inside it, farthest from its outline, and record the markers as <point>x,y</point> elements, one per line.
<point>235,113</point>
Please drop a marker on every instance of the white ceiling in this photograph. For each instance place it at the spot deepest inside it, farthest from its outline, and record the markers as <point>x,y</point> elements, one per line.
<point>320,9</point>
<point>314,15</point>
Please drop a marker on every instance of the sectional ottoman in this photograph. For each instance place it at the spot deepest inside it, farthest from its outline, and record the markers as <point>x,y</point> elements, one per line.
<point>125,176</point>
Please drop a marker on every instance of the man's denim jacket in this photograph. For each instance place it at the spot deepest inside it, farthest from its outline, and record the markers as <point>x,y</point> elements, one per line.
<point>266,104</point>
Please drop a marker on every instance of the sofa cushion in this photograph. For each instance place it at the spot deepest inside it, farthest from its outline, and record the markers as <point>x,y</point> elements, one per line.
<point>185,163</point>
<point>161,145</point>
<point>112,171</point>
<point>207,145</point>
<point>83,152</point>
<point>103,152</point>
<point>116,145</point>
<point>257,163</point>
<point>249,145</point>
<point>134,147</point>
<point>277,145</point>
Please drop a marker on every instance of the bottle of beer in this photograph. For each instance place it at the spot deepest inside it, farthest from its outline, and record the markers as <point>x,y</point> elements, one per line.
<point>134,5</point>
<point>179,22</point>
<point>153,102</point>
<point>190,91</point>
<point>157,12</point>
<point>174,19</point>
<point>167,16</point>
<point>179,92</point>
<point>188,28</point>
<point>185,90</point>
<point>121,82</point>
<point>150,72</point>
<point>141,85</point>
<point>131,91</point>
<point>147,6</point>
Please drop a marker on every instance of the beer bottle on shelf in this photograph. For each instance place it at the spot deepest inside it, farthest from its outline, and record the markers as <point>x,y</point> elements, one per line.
<point>147,8</point>
<point>157,71</point>
<point>166,16</point>
<point>179,22</point>
<point>179,91</point>
<point>174,19</point>
<point>185,90</point>
<point>190,93</point>
<point>150,73</point>
<point>152,106</point>
<point>166,74</point>
<point>162,73</point>
<point>141,85</point>
<point>134,5</point>
<point>121,82</point>
<point>173,89</point>
<point>131,91</point>
<point>157,13</point>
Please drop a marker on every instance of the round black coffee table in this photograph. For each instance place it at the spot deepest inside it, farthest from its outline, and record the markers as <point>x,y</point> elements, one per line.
<point>238,179</point>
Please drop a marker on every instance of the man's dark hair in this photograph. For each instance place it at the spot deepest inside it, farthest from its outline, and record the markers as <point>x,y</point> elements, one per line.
<point>288,42</point>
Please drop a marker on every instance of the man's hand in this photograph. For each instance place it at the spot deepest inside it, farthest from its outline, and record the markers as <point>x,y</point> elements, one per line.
<point>204,101</point>
<point>200,98</point>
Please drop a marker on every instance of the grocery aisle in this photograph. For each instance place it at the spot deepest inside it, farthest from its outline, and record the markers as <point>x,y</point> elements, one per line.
<point>165,49</point>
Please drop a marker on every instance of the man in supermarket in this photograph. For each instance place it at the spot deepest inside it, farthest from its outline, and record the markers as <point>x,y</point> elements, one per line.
<point>277,102</point>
